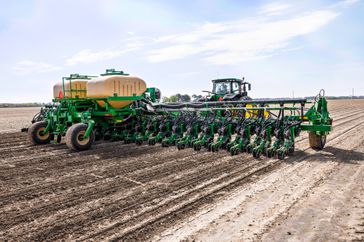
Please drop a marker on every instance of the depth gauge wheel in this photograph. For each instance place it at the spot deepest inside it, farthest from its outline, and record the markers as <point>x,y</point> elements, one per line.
<point>317,142</point>
<point>75,137</point>
<point>36,134</point>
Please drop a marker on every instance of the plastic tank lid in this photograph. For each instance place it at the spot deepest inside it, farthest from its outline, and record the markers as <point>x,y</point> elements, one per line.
<point>110,72</point>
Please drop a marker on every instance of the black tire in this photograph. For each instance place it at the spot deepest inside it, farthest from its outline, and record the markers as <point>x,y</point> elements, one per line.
<point>59,138</point>
<point>74,137</point>
<point>269,153</point>
<point>256,154</point>
<point>35,134</point>
<point>291,150</point>
<point>281,155</point>
<point>317,142</point>
<point>234,151</point>
<point>197,147</point>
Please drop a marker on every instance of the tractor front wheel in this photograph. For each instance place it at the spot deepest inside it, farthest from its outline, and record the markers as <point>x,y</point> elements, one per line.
<point>36,133</point>
<point>75,137</point>
<point>317,142</point>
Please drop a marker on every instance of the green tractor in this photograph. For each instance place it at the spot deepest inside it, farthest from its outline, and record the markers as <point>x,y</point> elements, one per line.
<point>228,89</point>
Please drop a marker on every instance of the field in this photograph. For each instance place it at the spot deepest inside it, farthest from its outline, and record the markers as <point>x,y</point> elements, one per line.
<point>136,193</point>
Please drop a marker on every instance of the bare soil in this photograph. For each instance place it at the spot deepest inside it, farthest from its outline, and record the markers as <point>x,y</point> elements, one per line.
<point>13,119</point>
<point>124,192</point>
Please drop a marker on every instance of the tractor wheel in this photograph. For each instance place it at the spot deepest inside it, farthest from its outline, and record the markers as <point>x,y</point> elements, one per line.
<point>75,140</point>
<point>317,142</point>
<point>36,135</point>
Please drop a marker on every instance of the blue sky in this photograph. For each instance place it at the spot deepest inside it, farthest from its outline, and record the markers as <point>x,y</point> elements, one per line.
<point>179,46</point>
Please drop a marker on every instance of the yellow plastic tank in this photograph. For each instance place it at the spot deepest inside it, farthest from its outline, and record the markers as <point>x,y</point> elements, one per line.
<point>79,89</point>
<point>115,85</point>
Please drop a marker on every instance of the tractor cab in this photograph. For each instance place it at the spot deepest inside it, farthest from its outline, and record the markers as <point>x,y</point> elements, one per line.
<point>229,89</point>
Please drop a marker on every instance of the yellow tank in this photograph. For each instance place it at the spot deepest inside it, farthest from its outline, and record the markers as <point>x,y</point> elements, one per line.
<point>115,85</point>
<point>79,89</point>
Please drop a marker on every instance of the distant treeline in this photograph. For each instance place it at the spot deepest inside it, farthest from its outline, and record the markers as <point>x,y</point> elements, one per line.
<point>20,105</point>
<point>340,97</point>
<point>180,98</point>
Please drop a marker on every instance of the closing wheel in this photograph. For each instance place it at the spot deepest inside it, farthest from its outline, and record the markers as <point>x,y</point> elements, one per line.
<point>269,153</point>
<point>281,154</point>
<point>291,150</point>
<point>234,151</point>
<point>197,147</point>
<point>317,142</point>
<point>75,137</point>
<point>256,154</point>
<point>36,133</point>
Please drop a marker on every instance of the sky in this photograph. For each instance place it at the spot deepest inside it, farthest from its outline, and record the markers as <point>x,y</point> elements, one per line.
<point>283,48</point>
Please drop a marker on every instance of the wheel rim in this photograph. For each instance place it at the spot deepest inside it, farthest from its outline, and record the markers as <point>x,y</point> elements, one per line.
<point>80,138</point>
<point>41,135</point>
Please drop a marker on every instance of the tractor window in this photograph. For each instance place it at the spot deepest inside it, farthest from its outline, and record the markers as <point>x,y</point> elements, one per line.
<point>235,87</point>
<point>222,88</point>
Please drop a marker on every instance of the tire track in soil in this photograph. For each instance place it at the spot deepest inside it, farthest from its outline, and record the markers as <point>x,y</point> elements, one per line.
<point>345,132</point>
<point>68,160</point>
<point>96,173</point>
<point>146,196</point>
<point>134,201</point>
<point>103,189</point>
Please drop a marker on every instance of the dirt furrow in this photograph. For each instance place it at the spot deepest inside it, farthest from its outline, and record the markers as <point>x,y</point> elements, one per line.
<point>95,192</point>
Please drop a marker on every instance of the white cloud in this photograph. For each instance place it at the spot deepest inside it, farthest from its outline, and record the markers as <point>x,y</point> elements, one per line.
<point>274,9</point>
<point>129,44</point>
<point>89,56</point>
<point>236,41</point>
<point>28,67</point>
<point>344,3</point>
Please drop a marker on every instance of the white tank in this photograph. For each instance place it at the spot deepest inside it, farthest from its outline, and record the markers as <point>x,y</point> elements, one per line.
<point>115,85</point>
<point>79,89</point>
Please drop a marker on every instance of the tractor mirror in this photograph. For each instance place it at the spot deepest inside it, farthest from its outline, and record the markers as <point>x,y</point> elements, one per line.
<point>249,86</point>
